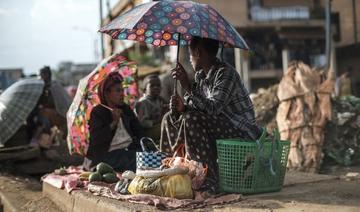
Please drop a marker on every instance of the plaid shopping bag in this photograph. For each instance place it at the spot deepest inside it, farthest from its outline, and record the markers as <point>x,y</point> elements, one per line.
<point>148,159</point>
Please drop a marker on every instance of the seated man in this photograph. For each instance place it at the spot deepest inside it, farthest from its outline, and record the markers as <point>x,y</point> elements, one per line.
<point>216,106</point>
<point>114,129</point>
<point>151,108</point>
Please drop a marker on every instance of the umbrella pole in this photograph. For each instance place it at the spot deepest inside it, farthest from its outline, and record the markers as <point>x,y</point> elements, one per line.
<point>174,112</point>
<point>177,62</point>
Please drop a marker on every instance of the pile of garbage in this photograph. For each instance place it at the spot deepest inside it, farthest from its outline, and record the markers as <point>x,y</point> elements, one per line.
<point>265,105</point>
<point>341,133</point>
<point>303,112</point>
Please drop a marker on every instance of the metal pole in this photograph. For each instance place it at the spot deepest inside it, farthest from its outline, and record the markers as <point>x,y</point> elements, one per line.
<point>173,112</point>
<point>101,34</point>
<point>354,21</point>
<point>328,37</point>
<point>110,17</point>
<point>177,62</point>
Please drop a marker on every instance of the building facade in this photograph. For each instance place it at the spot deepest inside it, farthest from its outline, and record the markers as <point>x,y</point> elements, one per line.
<point>279,31</point>
<point>9,76</point>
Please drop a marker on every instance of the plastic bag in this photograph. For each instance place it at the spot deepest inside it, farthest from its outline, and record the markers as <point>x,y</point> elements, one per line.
<point>175,186</point>
<point>141,185</point>
<point>197,170</point>
<point>122,186</point>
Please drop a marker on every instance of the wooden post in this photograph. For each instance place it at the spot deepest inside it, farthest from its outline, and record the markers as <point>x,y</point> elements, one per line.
<point>328,34</point>
<point>245,69</point>
<point>237,61</point>
<point>333,63</point>
<point>285,59</point>
<point>242,66</point>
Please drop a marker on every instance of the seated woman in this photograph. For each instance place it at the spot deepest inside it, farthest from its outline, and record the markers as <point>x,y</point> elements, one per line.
<point>114,129</point>
<point>216,106</point>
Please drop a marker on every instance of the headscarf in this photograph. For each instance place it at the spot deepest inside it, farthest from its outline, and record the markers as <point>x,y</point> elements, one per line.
<point>112,79</point>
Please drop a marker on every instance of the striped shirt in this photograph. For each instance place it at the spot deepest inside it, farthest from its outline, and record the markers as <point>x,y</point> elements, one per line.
<point>221,92</point>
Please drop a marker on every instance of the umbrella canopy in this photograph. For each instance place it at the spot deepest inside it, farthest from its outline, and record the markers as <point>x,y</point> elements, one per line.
<point>16,103</point>
<point>87,98</point>
<point>160,23</point>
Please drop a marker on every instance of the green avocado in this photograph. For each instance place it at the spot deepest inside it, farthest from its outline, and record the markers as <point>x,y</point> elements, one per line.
<point>104,168</point>
<point>110,178</point>
<point>96,176</point>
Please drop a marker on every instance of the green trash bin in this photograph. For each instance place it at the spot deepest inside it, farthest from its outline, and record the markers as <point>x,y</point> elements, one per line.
<point>250,167</point>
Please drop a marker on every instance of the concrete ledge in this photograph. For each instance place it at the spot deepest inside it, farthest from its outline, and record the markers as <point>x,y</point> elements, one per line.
<point>83,201</point>
<point>6,204</point>
<point>14,194</point>
<point>61,198</point>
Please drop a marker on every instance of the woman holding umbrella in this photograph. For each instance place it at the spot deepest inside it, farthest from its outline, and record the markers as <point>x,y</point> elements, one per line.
<point>216,106</point>
<point>114,129</point>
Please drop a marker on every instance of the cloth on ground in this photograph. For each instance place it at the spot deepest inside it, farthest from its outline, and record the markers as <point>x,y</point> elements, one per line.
<point>106,190</point>
<point>69,181</point>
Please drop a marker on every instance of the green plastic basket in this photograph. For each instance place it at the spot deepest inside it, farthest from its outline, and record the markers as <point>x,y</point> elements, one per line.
<point>250,167</point>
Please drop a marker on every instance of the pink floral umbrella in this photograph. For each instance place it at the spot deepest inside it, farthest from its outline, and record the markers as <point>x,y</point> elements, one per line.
<point>87,98</point>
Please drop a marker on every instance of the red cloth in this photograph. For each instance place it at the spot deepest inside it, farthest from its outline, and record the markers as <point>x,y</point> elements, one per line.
<point>70,181</point>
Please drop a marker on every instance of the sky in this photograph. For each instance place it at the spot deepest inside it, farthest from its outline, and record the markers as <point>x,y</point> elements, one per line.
<point>34,33</point>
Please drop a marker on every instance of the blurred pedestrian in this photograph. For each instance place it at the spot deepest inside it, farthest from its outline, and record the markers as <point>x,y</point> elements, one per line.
<point>49,116</point>
<point>344,83</point>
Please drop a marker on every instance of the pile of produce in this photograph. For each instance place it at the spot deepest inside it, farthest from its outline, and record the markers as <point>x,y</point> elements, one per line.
<point>104,173</point>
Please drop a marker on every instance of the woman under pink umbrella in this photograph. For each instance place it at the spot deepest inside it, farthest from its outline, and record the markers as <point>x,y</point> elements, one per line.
<point>114,129</point>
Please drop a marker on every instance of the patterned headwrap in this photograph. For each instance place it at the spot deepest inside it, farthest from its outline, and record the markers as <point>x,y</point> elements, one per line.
<point>112,79</point>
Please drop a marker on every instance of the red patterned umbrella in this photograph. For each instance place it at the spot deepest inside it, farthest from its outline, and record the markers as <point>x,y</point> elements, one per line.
<point>165,23</point>
<point>160,23</point>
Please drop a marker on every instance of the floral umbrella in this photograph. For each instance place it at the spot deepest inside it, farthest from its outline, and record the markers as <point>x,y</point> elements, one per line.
<point>87,98</point>
<point>160,23</point>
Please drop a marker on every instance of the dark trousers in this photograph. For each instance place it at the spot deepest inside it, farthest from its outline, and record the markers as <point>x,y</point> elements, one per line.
<point>120,159</point>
